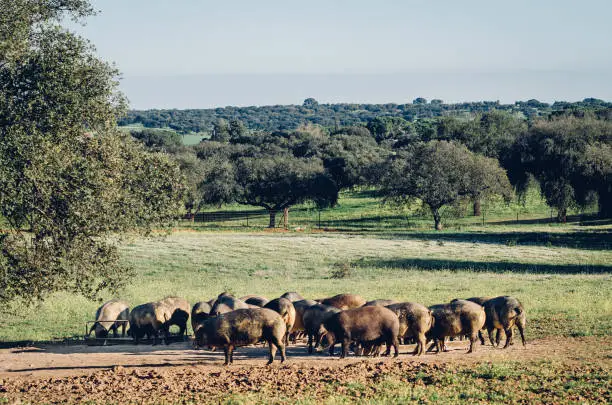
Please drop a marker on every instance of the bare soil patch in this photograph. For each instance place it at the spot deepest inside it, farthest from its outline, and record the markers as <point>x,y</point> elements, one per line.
<point>59,360</point>
<point>177,373</point>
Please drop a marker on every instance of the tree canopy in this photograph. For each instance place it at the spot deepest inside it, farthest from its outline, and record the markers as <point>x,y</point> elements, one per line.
<point>289,117</point>
<point>271,181</point>
<point>158,139</point>
<point>68,177</point>
<point>440,173</point>
<point>570,158</point>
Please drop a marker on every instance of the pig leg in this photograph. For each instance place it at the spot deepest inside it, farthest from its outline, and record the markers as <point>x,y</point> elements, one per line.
<point>331,340</point>
<point>123,326</point>
<point>490,332</point>
<point>282,353</point>
<point>167,334</point>
<point>155,337</point>
<point>473,340</point>
<point>272,352</point>
<point>498,336</point>
<point>376,350</point>
<point>418,348</point>
<point>309,343</point>
<point>482,341</point>
<point>226,352</point>
<point>135,334</point>
<point>420,344</point>
<point>319,339</point>
<point>388,345</point>
<point>345,347</point>
<point>439,345</point>
<point>231,348</point>
<point>442,343</point>
<point>508,337</point>
<point>521,328</point>
<point>395,344</point>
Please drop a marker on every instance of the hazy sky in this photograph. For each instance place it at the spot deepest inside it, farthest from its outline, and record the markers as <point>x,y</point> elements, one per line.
<point>195,53</point>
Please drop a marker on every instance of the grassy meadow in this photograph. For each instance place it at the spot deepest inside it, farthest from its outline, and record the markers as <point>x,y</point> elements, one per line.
<point>561,273</point>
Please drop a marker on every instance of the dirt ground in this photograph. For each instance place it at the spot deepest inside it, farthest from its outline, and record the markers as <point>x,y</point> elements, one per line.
<point>73,373</point>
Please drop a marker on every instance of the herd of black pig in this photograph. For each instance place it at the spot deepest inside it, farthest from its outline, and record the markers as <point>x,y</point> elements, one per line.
<point>358,325</point>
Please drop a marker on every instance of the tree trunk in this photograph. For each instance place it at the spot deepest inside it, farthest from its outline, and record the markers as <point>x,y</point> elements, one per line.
<point>437,219</point>
<point>272,219</point>
<point>286,218</point>
<point>605,204</point>
<point>477,210</point>
<point>562,215</point>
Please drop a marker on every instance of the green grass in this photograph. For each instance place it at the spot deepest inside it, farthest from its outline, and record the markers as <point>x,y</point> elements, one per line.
<point>561,272</point>
<point>188,139</point>
<point>566,291</point>
<point>192,139</point>
<point>504,382</point>
<point>361,211</point>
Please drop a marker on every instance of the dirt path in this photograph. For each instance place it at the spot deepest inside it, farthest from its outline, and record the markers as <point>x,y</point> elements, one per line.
<point>179,374</point>
<point>71,360</point>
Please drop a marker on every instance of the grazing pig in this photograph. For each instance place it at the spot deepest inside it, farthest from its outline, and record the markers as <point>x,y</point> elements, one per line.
<point>379,303</point>
<point>199,313</point>
<point>503,313</point>
<point>481,301</point>
<point>292,296</point>
<point>150,319</point>
<point>107,316</point>
<point>300,306</point>
<point>344,301</point>
<point>227,303</point>
<point>180,309</point>
<point>313,319</point>
<point>256,300</point>
<point>459,318</point>
<point>243,327</point>
<point>286,310</point>
<point>367,326</point>
<point>415,321</point>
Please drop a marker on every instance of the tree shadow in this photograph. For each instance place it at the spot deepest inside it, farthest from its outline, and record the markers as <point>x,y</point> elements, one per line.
<point>188,356</point>
<point>592,240</point>
<point>582,220</point>
<point>494,267</point>
<point>390,227</point>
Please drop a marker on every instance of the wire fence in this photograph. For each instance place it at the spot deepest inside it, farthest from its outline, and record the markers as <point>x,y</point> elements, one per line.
<point>384,220</point>
<point>230,216</point>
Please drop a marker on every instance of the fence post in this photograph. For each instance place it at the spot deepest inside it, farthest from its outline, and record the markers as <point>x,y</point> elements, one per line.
<point>319,219</point>
<point>247,219</point>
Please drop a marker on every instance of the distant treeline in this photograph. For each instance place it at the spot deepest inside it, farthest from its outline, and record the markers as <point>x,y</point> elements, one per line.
<point>439,161</point>
<point>289,117</point>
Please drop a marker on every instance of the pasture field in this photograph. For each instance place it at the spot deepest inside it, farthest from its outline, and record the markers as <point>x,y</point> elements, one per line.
<point>561,273</point>
<point>567,291</point>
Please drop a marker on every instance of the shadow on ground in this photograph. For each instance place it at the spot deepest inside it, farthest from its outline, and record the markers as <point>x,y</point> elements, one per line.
<point>175,355</point>
<point>494,267</point>
<point>594,240</point>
